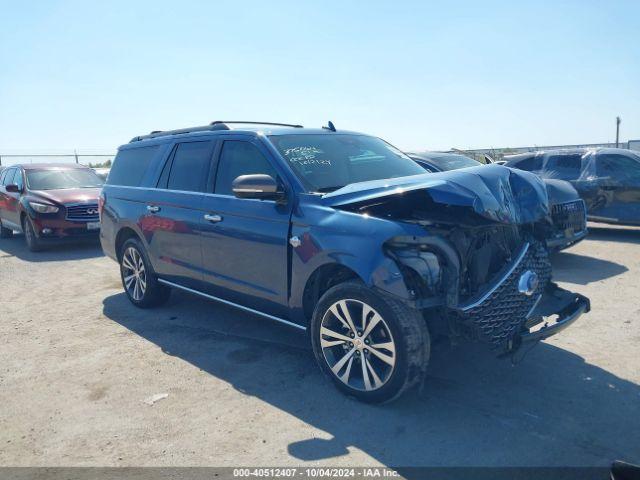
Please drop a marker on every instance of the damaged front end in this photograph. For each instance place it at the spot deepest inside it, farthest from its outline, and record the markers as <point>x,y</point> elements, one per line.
<point>481,270</point>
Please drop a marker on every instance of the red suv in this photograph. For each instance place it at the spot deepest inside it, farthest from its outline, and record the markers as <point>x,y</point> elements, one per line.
<point>49,202</point>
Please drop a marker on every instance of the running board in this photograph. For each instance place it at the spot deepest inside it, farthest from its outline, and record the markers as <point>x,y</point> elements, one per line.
<point>227,302</point>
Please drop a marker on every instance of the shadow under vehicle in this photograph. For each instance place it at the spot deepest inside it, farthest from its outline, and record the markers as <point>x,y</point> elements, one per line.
<point>554,409</point>
<point>607,179</point>
<point>568,211</point>
<point>341,235</point>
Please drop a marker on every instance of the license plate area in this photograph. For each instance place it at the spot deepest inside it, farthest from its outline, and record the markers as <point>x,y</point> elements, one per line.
<point>93,226</point>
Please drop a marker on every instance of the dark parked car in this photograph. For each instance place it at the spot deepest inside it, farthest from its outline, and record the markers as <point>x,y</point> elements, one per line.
<point>568,212</point>
<point>49,202</point>
<point>341,235</point>
<point>607,179</point>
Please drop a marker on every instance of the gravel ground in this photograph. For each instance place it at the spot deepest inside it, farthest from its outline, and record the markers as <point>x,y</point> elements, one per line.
<point>79,369</point>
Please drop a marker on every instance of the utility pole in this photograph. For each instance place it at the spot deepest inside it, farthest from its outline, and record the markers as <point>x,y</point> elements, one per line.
<point>75,153</point>
<point>618,131</point>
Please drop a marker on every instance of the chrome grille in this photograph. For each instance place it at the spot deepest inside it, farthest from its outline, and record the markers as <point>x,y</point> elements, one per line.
<point>500,313</point>
<point>570,215</point>
<point>86,212</point>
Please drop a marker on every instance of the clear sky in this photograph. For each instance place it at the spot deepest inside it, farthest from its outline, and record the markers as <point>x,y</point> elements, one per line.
<point>430,75</point>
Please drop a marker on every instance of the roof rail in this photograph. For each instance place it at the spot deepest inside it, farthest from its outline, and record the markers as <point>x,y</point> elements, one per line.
<point>222,122</point>
<point>217,125</point>
<point>164,133</point>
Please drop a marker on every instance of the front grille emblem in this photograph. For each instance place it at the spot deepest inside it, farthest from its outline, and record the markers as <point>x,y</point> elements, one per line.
<point>528,283</point>
<point>92,211</point>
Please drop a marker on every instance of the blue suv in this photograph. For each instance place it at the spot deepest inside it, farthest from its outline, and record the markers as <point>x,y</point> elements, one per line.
<point>341,235</point>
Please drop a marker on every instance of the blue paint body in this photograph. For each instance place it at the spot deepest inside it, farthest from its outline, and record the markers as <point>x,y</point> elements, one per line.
<point>247,258</point>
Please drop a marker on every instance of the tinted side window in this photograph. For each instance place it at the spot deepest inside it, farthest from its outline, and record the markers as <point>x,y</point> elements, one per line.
<point>240,158</point>
<point>8,179</point>
<point>18,180</point>
<point>618,167</point>
<point>2,175</point>
<point>130,165</point>
<point>530,164</point>
<point>189,168</point>
<point>564,167</point>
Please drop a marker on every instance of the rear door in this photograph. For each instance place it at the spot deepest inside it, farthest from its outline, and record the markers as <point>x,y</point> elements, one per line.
<point>173,218</point>
<point>245,241</point>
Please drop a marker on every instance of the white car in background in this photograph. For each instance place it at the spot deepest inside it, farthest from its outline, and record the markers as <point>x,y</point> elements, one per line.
<point>103,173</point>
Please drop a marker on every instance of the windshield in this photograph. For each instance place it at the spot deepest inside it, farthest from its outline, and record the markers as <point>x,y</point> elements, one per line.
<point>328,162</point>
<point>62,178</point>
<point>453,162</point>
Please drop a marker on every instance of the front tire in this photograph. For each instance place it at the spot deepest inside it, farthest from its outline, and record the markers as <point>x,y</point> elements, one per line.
<point>138,278</point>
<point>372,347</point>
<point>33,242</point>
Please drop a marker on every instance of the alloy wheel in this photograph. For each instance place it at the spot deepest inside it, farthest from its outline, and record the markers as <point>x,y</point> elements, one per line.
<point>357,345</point>
<point>133,273</point>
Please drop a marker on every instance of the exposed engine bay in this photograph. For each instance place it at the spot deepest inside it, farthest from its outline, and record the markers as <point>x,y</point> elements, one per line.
<point>482,266</point>
<point>482,247</point>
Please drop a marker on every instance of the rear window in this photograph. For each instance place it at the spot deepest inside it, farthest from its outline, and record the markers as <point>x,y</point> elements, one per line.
<point>130,165</point>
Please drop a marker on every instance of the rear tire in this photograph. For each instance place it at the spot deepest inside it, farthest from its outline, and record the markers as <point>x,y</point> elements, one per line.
<point>372,347</point>
<point>33,242</point>
<point>5,232</point>
<point>138,278</point>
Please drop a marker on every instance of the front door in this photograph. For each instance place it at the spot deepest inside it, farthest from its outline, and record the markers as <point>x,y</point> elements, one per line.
<point>245,241</point>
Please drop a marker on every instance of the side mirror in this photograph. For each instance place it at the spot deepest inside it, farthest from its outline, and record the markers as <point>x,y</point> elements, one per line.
<point>258,186</point>
<point>13,188</point>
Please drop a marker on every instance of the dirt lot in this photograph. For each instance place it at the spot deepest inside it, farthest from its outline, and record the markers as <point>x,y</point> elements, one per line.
<point>77,362</point>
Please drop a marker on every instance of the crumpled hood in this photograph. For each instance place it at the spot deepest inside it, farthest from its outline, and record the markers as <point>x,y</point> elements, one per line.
<point>495,192</point>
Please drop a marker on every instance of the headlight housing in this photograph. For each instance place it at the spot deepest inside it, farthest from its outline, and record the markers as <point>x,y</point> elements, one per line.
<point>43,207</point>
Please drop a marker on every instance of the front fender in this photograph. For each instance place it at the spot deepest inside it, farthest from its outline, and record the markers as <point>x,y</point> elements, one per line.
<point>348,239</point>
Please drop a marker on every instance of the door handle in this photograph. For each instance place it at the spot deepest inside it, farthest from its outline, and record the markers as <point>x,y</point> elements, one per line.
<point>213,218</point>
<point>153,208</point>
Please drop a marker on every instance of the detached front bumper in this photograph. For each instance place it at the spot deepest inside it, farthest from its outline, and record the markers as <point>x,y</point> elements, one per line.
<point>523,305</point>
<point>568,307</point>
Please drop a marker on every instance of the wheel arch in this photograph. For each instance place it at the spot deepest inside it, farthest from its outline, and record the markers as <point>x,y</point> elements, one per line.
<point>322,279</point>
<point>124,234</point>
<point>381,273</point>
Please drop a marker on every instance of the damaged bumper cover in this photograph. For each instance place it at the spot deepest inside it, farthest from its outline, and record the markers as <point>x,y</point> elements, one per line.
<point>568,307</point>
<point>522,306</point>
